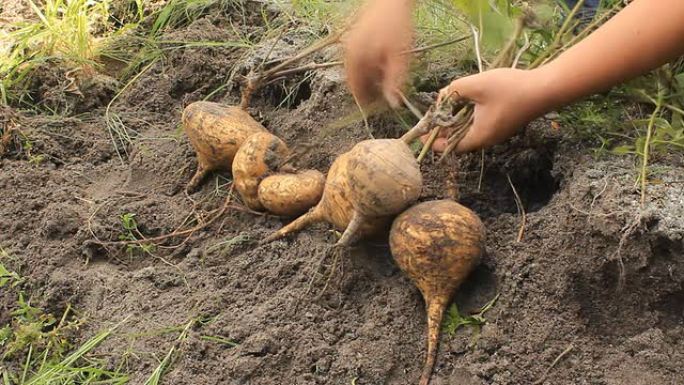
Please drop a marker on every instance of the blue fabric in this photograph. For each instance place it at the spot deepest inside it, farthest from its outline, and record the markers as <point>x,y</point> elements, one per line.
<point>586,12</point>
<point>587,3</point>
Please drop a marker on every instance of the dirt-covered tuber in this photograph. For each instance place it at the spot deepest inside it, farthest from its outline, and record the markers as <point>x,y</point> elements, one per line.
<point>291,194</point>
<point>216,132</point>
<point>437,244</point>
<point>259,156</point>
<point>365,188</point>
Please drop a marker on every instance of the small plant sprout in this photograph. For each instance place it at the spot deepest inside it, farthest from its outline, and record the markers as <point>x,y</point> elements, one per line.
<point>454,320</point>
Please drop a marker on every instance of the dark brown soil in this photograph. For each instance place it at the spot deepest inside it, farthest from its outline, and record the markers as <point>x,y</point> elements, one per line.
<point>593,273</point>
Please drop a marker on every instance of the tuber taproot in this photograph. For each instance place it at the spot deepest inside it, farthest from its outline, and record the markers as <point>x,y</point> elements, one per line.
<point>437,244</point>
<point>291,194</point>
<point>365,188</point>
<point>216,132</point>
<point>259,156</point>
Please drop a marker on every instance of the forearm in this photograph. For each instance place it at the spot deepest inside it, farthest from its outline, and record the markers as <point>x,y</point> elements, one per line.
<point>643,36</point>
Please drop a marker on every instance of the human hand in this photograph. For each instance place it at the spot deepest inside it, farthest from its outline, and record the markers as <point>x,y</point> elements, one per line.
<point>505,100</point>
<point>374,63</point>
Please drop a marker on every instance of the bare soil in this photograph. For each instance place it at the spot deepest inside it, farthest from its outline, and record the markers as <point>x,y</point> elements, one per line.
<point>593,274</point>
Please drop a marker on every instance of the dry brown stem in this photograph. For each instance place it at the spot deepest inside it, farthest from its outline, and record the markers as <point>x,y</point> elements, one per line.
<point>254,81</point>
<point>521,209</point>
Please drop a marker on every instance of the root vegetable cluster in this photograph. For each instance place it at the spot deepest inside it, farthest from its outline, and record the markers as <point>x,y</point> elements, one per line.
<point>228,138</point>
<point>437,243</point>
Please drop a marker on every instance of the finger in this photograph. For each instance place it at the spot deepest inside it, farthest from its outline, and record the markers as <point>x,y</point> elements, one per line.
<point>461,88</point>
<point>395,70</point>
<point>439,145</point>
<point>476,138</point>
<point>362,78</point>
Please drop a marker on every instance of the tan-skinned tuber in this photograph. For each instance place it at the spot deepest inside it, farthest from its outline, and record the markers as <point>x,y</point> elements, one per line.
<point>261,155</point>
<point>291,194</point>
<point>216,132</point>
<point>437,244</point>
<point>365,188</point>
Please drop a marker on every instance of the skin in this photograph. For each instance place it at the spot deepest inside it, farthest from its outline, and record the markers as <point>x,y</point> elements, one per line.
<point>643,36</point>
<point>373,61</point>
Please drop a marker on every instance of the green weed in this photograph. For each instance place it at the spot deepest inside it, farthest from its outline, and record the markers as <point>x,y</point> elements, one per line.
<point>227,245</point>
<point>131,233</point>
<point>68,32</point>
<point>39,341</point>
<point>454,320</point>
<point>164,364</point>
<point>8,277</point>
<point>220,340</point>
<point>32,329</point>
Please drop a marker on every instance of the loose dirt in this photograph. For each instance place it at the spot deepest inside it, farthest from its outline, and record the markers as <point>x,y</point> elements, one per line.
<point>592,275</point>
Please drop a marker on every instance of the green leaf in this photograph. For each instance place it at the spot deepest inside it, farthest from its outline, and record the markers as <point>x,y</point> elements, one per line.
<point>493,19</point>
<point>5,335</point>
<point>7,276</point>
<point>680,78</point>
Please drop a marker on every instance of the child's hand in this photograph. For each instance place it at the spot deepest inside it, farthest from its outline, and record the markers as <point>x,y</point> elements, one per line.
<point>373,61</point>
<point>505,100</point>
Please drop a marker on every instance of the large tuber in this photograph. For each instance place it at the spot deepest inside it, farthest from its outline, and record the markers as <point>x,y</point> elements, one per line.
<point>437,244</point>
<point>365,187</point>
<point>216,132</point>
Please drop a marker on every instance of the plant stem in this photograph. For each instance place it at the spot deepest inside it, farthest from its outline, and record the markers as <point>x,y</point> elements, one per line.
<point>588,29</point>
<point>647,144</point>
<point>476,42</point>
<point>559,35</point>
<point>436,45</point>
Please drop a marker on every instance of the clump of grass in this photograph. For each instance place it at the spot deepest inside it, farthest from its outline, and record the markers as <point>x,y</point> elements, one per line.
<point>178,13</point>
<point>319,16</point>
<point>164,364</point>
<point>39,341</point>
<point>72,33</point>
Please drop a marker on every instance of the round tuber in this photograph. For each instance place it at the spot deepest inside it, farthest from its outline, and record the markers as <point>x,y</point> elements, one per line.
<point>260,155</point>
<point>437,244</point>
<point>216,132</point>
<point>291,194</point>
<point>365,187</point>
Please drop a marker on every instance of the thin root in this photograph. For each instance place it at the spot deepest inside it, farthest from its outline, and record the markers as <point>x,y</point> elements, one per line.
<point>311,217</point>
<point>255,81</point>
<point>351,233</point>
<point>215,214</point>
<point>554,363</point>
<point>197,179</point>
<point>521,210</point>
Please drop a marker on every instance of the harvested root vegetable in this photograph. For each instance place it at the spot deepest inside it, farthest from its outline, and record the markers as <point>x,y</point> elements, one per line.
<point>216,133</point>
<point>437,244</point>
<point>291,194</point>
<point>365,187</point>
<point>260,155</point>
